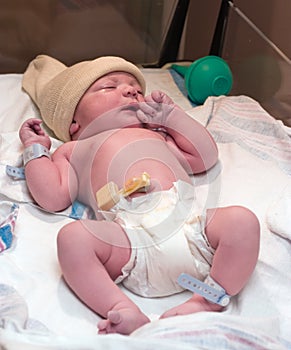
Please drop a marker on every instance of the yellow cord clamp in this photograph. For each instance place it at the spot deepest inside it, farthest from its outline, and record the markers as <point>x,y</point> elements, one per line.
<point>109,195</point>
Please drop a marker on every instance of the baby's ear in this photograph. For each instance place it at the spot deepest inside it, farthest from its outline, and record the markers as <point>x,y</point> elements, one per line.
<point>74,128</point>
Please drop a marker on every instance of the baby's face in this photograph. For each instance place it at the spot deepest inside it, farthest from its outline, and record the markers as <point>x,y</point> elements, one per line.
<point>109,92</point>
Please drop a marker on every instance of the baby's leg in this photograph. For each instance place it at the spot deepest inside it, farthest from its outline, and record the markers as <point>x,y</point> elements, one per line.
<point>234,232</point>
<point>91,255</point>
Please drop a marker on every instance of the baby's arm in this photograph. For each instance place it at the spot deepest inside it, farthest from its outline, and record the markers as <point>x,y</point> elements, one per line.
<point>47,179</point>
<point>184,135</point>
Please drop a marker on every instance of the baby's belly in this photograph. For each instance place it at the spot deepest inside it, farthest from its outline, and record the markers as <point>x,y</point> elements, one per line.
<point>127,155</point>
<point>156,160</point>
<point>162,172</point>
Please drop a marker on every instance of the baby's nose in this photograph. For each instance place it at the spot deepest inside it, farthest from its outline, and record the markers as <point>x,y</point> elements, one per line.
<point>130,91</point>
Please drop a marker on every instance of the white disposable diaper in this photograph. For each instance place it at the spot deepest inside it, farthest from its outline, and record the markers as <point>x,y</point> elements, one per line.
<point>167,238</point>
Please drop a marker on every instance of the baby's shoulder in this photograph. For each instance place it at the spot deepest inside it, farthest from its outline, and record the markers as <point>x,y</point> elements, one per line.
<point>65,149</point>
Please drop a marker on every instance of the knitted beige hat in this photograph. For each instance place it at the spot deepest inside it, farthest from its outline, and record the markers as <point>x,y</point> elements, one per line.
<point>56,89</point>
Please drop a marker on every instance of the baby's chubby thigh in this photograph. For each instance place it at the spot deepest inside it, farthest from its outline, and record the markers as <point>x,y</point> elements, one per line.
<point>84,243</point>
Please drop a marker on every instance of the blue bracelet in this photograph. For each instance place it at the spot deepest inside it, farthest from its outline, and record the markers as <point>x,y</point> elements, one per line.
<point>15,172</point>
<point>209,289</point>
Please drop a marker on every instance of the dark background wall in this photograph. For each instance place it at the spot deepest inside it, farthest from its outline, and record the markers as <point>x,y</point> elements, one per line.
<point>257,42</point>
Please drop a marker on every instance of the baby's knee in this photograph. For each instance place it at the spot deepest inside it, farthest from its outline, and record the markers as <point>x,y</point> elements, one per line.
<point>246,218</point>
<point>246,223</point>
<point>66,236</point>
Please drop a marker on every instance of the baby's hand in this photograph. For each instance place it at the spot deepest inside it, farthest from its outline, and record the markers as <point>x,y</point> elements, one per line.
<point>30,132</point>
<point>158,97</point>
<point>155,109</point>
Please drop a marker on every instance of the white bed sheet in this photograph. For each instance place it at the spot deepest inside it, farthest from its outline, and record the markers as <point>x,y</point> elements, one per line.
<point>38,311</point>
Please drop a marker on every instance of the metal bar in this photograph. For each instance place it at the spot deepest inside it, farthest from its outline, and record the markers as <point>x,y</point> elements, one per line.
<point>220,29</point>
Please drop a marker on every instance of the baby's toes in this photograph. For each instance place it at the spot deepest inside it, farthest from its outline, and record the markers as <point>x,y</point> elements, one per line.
<point>103,326</point>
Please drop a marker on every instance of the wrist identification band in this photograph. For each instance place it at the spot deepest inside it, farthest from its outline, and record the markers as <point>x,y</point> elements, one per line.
<point>34,151</point>
<point>209,289</point>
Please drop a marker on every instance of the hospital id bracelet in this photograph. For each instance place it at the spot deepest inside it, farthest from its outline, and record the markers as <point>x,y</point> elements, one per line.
<point>17,173</point>
<point>34,151</point>
<point>209,289</point>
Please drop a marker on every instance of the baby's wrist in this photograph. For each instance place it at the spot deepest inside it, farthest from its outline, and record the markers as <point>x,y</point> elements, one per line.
<point>33,151</point>
<point>45,142</point>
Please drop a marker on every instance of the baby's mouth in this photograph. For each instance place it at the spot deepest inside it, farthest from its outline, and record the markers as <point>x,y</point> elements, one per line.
<point>134,106</point>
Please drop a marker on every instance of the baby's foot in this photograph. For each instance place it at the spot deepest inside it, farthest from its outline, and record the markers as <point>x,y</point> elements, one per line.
<point>123,321</point>
<point>196,304</point>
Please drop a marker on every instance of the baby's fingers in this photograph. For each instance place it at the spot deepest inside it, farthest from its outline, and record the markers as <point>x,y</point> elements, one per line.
<point>32,121</point>
<point>34,125</point>
<point>149,108</point>
<point>160,97</point>
<point>141,116</point>
<point>38,130</point>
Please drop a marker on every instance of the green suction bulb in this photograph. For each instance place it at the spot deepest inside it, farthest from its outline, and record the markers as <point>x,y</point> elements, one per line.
<point>182,70</point>
<point>207,76</point>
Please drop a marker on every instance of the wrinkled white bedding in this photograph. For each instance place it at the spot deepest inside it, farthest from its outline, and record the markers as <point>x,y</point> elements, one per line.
<point>37,309</point>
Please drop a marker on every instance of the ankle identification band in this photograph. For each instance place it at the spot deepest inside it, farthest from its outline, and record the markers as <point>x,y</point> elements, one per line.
<point>209,289</point>
<point>15,172</point>
<point>34,151</point>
